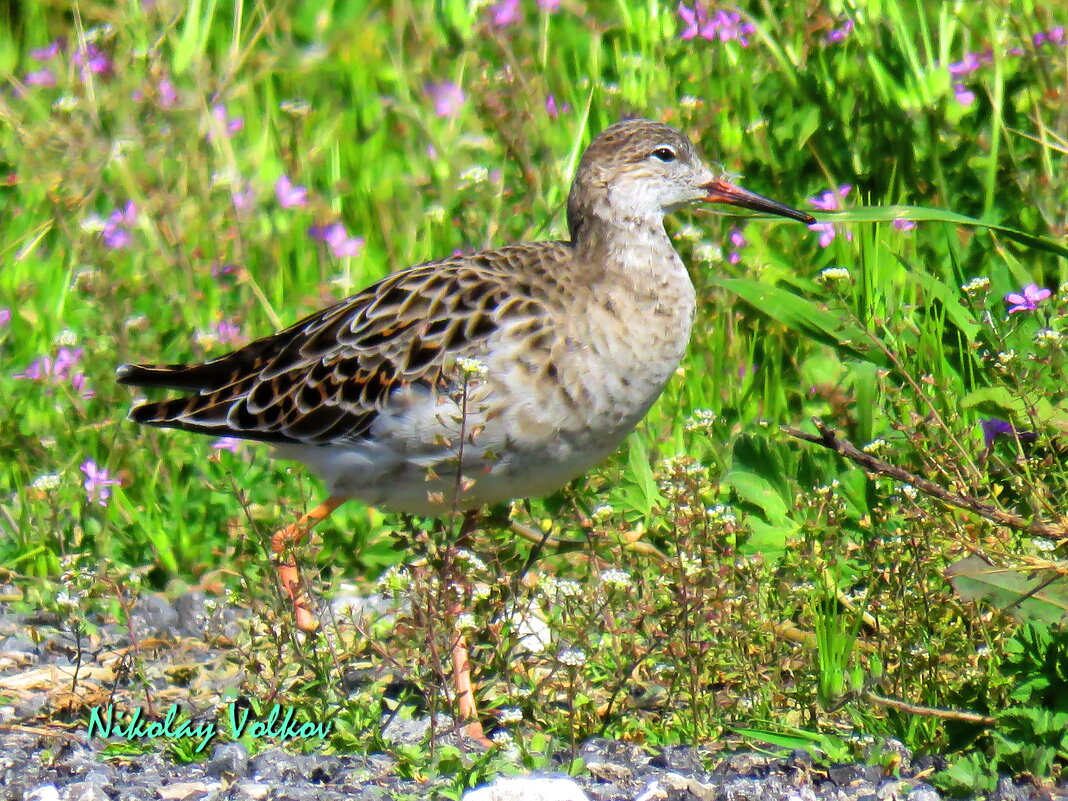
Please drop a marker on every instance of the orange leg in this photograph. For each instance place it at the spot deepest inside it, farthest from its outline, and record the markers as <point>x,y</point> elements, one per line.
<point>465,691</point>
<point>282,544</point>
<point>461,660</point>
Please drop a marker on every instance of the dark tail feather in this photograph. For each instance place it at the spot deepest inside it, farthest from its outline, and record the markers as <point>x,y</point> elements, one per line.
<point>200,377</point>
<point>176,413</point>
<point>168,376</point>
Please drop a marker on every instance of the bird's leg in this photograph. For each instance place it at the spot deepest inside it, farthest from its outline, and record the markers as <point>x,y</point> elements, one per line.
<point>461,660</point>
<point>282,544</point>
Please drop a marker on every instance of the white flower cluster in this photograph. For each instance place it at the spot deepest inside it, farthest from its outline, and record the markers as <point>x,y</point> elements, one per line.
<point>473,175</point>
<point>721,514</point>
<point>1048,336</point>
<point>471,368</point>
<point>613,577</point>
<point>572,657</point>
<point>830,275</point>
<point>976,286</point>
<point>700,421</point>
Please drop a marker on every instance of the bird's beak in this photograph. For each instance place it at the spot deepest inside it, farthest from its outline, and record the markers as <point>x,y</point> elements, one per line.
<point>720,191</point>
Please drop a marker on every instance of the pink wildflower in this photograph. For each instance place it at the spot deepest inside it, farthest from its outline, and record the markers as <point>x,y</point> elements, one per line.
<point>337,238</point>
<point>42,77</point>
<point>505,13</point>
<point>98,483</point>
<point>448,98</point>
<point>116,233</point>
<point>1028,298</point>
<point>290,195</point>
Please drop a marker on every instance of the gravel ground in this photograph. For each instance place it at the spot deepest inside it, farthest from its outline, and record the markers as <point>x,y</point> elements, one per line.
<point>42,760</point>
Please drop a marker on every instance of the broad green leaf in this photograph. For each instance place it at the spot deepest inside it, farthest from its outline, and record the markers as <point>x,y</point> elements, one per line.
<point>1013,590</point>
<point>997,401</point>
<point>874,214</point>
<point>758,491</point>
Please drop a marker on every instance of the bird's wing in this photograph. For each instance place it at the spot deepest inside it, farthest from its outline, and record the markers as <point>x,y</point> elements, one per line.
<point>327,377</point>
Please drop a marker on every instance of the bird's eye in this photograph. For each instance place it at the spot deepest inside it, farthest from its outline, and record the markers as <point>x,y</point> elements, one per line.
<point>665,154</point>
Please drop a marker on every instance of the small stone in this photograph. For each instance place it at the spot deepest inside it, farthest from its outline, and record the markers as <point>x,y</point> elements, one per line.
<point>253,790</point>
<point>153,616</point>
<point>847,775</point>
<point>890,790</point>
<point>609,771</point>
<point>227,758</point>
<point>689,787</point>
<point>527,789</point>
<point>84,791</point>
<point>800,759</point>
<point>320,768</point>
<point>19,647</point>
<point>32,706</point>
<point>923,792</point>
<point>46,793</point>
<point>406,731</point>
<point>275,765</point>
<point>678,758</point>
<point>183,791</point>
<point>744,764</point>
<point>76,759</point>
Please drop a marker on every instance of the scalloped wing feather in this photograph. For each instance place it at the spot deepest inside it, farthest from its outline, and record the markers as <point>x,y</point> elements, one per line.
<point>328,377</point>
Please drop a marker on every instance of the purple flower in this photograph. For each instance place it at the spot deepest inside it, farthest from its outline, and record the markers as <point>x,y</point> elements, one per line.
<point>116,233</point>
<point>290,195</point>
<point>57,371</point>
<point>550,6</point>
<point>5,317</point>
<point>228,125</point>
<point>242,198</point>
<point>963,94</point>
<point>227,332</point>
<point>729,25</point>
<point>49,52</point>
<point>1054,37</point>
<point>826,231</point>
<point>166,94</point>
<point>550,107</point>
<point>226,444</point>
<point>218,269</point>
<point>98,483</point>
<point>91,59</point>
<point>970,63</point>
<point>723,25</point>
<point>505,13</point>
<point>831,200</point>
<point>904,225</point>
<point>42,77</point>
<point>448,98</point>
<point>337,238</point>
<point>1028,298</point>
<point>738,241</point>
<point>697,21</point>
<point>838,34</point>
<point>995,427</point>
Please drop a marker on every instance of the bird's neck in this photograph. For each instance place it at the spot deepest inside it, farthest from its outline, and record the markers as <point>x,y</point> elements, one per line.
<point>636,248</point>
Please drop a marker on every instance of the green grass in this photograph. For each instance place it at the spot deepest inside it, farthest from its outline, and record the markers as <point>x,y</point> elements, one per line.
<point>335,97</point>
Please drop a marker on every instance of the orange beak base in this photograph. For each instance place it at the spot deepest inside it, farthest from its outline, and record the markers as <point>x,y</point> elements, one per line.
<point>720,191</point>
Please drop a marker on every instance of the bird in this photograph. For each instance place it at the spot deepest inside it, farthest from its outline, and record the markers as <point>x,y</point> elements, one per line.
<point>477,379</point>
